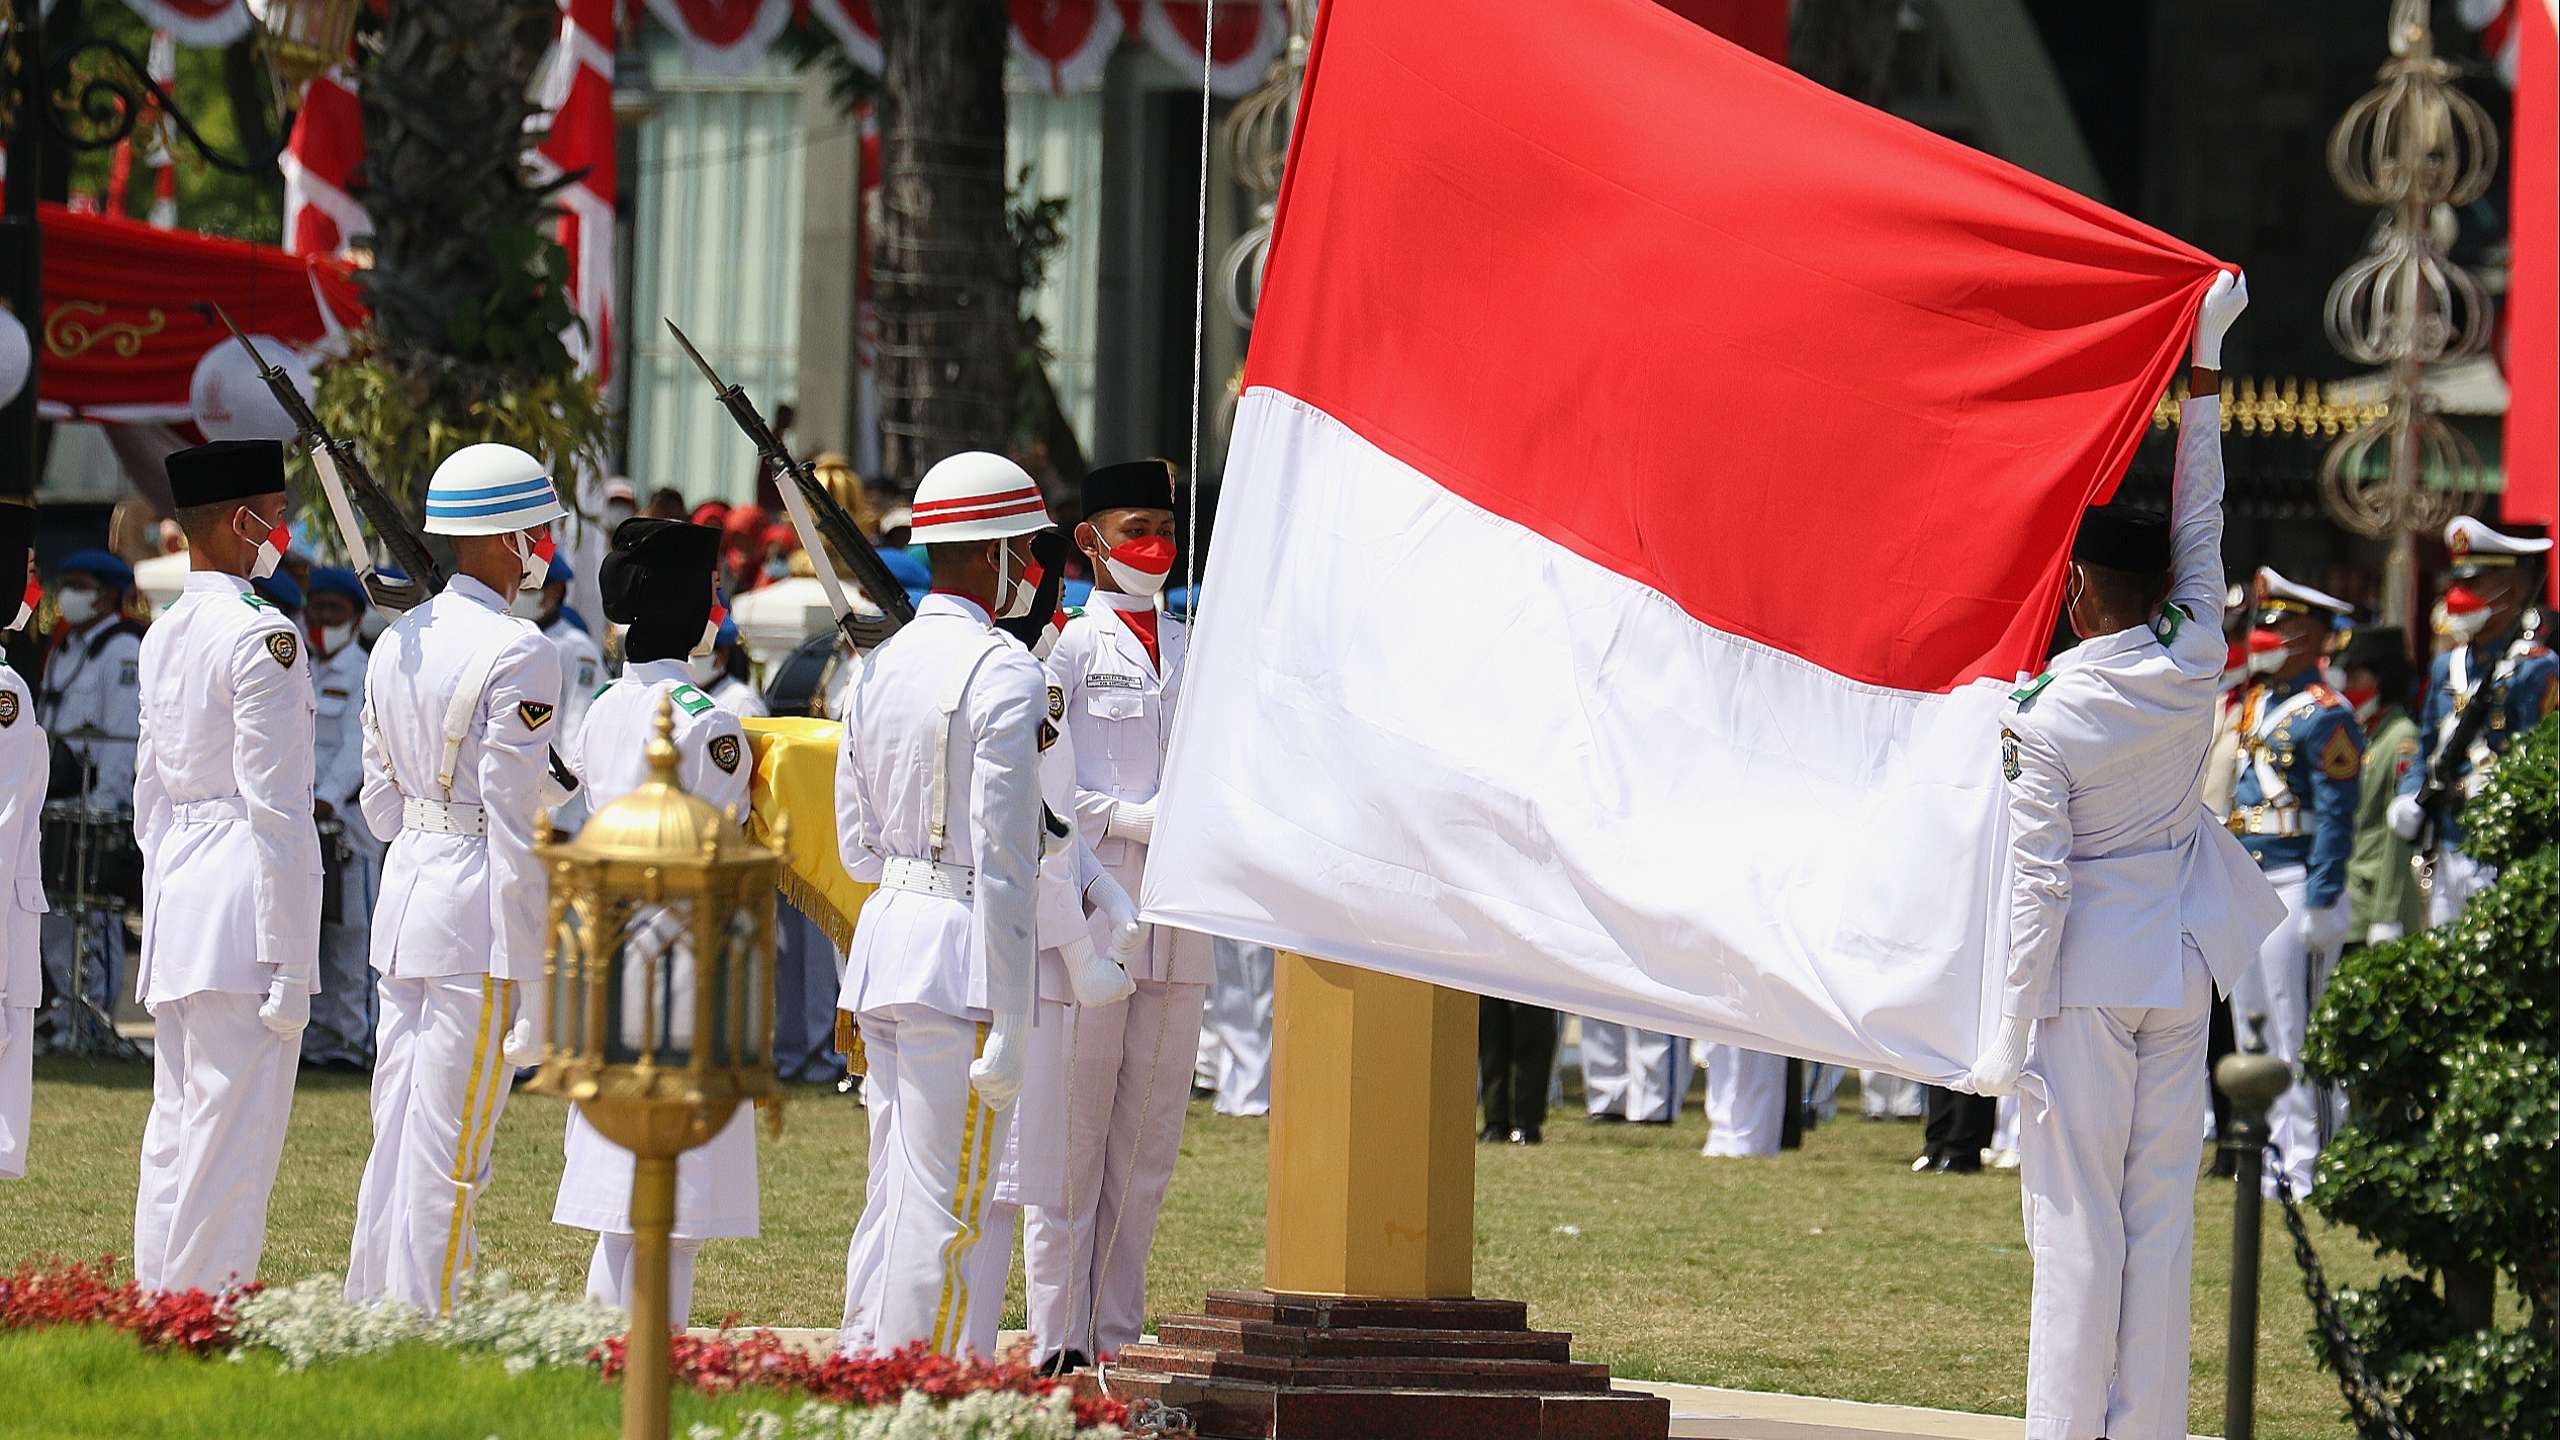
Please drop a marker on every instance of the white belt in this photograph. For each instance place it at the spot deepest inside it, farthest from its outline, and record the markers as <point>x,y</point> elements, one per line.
<point>216,811</point>
<point>929,877</point>
<point>438,818</point>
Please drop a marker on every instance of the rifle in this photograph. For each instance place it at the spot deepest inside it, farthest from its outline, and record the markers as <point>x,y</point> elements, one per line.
<point>817,516</point>
<point>342,470</point>
<point>2437,795</point>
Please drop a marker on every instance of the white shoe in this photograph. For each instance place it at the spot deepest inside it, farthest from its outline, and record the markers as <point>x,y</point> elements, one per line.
<point>2005,1160</point>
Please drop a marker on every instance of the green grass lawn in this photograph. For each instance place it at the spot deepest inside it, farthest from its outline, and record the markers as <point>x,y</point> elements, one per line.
<point>1832,1271</point>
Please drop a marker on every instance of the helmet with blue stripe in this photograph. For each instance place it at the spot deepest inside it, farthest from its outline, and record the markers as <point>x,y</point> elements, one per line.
<point>490,489</point>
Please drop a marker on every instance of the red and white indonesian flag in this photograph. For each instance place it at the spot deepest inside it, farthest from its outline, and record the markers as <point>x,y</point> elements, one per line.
<point>1653,473</point>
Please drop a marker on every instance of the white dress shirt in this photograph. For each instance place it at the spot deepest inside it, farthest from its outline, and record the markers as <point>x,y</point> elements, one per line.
<point>222,798</point>
<point>92,681</point>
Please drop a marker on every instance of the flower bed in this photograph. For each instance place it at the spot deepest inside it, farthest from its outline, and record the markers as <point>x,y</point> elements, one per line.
<point>308,1324</point>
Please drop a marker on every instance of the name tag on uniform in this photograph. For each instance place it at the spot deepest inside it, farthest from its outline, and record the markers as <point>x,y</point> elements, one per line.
<point>1100,681</point>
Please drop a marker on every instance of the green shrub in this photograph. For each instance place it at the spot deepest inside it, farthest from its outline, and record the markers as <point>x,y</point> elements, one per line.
<point>2448,1045</point>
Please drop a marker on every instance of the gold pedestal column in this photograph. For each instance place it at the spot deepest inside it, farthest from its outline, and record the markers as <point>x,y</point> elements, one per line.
<point>1373,1157</point>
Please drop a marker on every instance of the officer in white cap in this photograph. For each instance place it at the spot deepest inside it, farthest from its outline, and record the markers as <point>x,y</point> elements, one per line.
<point>2496,661</point>
<point>658,581</point>
<point>22,903</point>
<point>231,919</point>
<point>938,804</point>
<point>2298,771</point>
<point>2130,904</point>
<point>461,703</point>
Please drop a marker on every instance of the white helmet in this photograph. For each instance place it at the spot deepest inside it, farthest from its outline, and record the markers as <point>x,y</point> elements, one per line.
<point>975,495</point>
<point>490,489</point>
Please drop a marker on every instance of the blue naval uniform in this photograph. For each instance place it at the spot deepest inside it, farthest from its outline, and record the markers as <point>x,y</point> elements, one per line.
<point>2303,736</point>
<point>2524,686</point>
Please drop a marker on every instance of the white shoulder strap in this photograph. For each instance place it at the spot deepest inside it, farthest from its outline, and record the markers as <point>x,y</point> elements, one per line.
<point>461,711</point>
<point>937,829</point>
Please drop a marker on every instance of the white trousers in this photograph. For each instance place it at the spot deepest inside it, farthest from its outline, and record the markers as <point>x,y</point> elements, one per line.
<point>1746,1101</point>
<point>1890,1097</point>
<point>2108,1164</point>
<point>1238,1027</point>
<point>2281,987</point>
<point>17,1087</point>
<point>102,961</point>
<point>440,1081</point>
<point>342,1013</point>
<point>2458,878</point>
<point>609,1276</point>
<point>990,1266</point>
<point>1639,1074</point>
<point>933,1156</point>
<point>221,1093</point>
<point>1087,1263</point>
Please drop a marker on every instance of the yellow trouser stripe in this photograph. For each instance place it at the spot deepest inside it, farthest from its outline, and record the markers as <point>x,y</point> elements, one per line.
<point>977,1144</point>
<point>466,1147</point>
<point>500,1074</point>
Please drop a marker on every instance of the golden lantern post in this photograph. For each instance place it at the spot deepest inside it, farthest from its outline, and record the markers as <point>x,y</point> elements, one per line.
<point>659,982</point>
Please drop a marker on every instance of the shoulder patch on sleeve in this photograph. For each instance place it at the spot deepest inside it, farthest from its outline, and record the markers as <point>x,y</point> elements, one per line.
<point>1048,734</point>
<point>2342,758</point>
<point>725,752</point>
<point>534,713</point>
<point>1057,702</point>
<point>690,700</point>
<point>8,708</point>
<point>2009,767</point>
<point>281,645</point>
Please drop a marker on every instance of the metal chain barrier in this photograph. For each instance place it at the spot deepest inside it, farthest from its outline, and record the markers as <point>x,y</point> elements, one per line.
<point>2369,1405</point>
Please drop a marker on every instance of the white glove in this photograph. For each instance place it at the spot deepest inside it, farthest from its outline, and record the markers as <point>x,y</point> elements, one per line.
<point>1096,968</point>
<point>1997,1072</point>
<point>2222,305</point>
<point>1132,820</point>
<point>525,1035</point>
<point>2404,816</point>
<point>2383,932</point>
<point>287,1007</point>
<point>2322,930</point>
<point>1092,979</point>
<point>997,1072</point>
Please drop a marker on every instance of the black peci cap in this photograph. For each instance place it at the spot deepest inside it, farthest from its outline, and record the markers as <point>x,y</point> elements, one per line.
<point>2123,537</point>
<point>225,470</point>
<point>1129,485</point>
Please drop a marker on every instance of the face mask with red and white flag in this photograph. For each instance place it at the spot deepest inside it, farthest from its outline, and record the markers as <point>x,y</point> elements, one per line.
<point>1140,566</point>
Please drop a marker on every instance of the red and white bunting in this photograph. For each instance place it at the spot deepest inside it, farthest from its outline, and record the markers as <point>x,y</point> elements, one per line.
<point>321,215</point>
<point>724,37</point>
<point>196,22</point>
<point>856,26</point>
<point>1066,44</point>
<point>577,101</point>
<point>1250,36</point>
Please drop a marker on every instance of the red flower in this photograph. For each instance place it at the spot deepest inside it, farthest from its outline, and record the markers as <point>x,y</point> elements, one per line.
<point>45,1292</point>
<point>722,1363</point>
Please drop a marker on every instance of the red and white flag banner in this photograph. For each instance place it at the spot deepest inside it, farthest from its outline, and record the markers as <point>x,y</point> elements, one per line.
<point>1628,543</point>
<point>724,37</point>
<point>196,22</point>
<point>1065,44</point>
<point>321,157</point>
<point>1249,36</point>
<point>856,27</point>
<point>577,98</point>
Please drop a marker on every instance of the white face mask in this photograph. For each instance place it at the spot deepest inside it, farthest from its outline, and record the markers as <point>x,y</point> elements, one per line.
<point>534,557</point>
<point>334,638</point>
<point>78,607</point>
<point>2466,628</point>
<point>1133,580</point>
<point>270,549</point>
<point>1014,590</point>
<point>2268,662</point>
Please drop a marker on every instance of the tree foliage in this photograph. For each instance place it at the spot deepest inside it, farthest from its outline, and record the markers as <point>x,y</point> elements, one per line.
<point>2448,1045</point>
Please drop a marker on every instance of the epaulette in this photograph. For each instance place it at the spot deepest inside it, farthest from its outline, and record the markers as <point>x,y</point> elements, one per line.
<point>1072,612</point>
<point>2025,695</point>
<point>256,601</point>
<point>600,691</point>
<point>2324,697</point>
<point>690,700</point>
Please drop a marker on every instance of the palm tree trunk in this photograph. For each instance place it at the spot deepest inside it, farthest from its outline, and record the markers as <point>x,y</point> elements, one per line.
<point>947,304</point>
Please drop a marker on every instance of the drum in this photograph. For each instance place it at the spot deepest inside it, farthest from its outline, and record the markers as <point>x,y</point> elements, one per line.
<point>90,857</point>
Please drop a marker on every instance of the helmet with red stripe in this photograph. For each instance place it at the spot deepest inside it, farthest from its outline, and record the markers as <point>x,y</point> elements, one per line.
<point>976,495</point>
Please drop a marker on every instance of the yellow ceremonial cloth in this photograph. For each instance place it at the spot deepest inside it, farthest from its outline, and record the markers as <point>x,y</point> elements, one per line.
<point>792,809</point>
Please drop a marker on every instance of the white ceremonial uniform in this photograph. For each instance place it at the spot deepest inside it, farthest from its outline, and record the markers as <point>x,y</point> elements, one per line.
<point>716,1182</point>
<point>231,903</point>
<point>1239,1023</point>
<point>1031,1163</point>
<point>937,803</point>
<point>22,906</point>
<point>342,1014</point>
<point>1133,1062</point>
<point>1883,1095</point>
<point>738,698</point>
<point>1746,1101</point>
<point>460,703</point>
<point>1639,1075</point>
<point>2131,905</point>
<point>582,676</point>
<point>92,685</point>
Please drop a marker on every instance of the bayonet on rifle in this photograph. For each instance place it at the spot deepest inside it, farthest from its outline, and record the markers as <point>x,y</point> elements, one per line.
<point>817,516</point>
<point>351,488</point>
